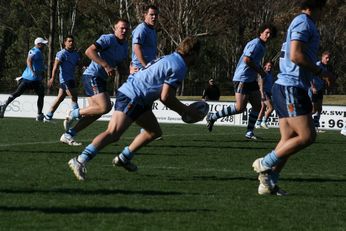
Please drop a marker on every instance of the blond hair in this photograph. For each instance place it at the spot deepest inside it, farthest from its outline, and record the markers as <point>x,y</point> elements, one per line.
<point>189,46</point>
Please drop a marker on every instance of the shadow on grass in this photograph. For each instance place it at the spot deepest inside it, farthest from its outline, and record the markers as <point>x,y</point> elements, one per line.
<point>314,180</point>
<point>121,209</point>
<point>102,192</point>
<point>215,145</point>
<point>241,178</point>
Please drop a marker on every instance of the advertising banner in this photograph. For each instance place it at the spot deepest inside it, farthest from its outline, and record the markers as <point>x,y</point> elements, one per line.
<point>332,117</point>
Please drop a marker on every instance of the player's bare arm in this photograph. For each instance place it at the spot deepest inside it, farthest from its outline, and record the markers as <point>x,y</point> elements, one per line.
<point>92,53</point>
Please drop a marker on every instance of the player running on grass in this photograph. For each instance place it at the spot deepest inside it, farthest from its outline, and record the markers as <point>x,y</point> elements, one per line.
<point>159,80</point>
<point>66,60</point>
<point>107,53</point>
<point>31,78</point>
<point>290,95</point>
<point>266,104</point>
<point>245,81</point>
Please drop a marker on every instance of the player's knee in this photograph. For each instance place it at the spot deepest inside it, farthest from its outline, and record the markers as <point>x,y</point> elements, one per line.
<point>240,108</point>
<point>308,140</point>
<point>108,107</point>
<point>105,108</point>
<point>114,136</point>
<point>155,134</point>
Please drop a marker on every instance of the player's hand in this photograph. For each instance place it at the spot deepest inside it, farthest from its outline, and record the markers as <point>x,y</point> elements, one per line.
<point>50,82</point>
<point>133,69</point>
<point>109,70</point>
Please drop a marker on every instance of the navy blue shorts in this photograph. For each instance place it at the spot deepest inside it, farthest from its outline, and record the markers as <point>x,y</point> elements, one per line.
<point>291,101</point>
<point>244,87</point>
<point>130,108</point>
<point>268,95</point>
<point>93,85</point>
<point>68,85</point>
<point>316,97</point>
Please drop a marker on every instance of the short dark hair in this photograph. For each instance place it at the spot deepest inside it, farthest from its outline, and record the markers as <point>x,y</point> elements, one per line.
<point>312,4</point>
<point>68,36</point>
<point>65,39</point>
<point>326,53</point>
<point>147,7</point>
<point>121,20</point>
<point>271,27</point>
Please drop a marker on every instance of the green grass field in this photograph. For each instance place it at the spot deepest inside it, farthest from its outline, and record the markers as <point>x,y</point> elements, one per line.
<point>191,180</point>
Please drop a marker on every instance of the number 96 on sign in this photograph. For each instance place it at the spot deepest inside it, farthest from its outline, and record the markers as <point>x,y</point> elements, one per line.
<point>333,123</point>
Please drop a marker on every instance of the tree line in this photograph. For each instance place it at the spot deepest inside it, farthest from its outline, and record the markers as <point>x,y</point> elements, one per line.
<point>224,27</point>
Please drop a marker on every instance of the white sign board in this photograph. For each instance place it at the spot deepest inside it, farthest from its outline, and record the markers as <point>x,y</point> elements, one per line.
<point>332,118</point>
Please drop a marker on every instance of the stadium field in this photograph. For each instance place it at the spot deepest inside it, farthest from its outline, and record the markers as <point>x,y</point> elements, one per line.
<point>190,180</point>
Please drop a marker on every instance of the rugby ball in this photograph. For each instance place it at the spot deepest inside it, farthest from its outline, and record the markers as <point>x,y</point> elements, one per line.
<point>202,107</point>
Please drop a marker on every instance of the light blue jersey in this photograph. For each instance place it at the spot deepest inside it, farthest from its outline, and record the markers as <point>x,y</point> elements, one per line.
<point>268,82</point>
<point>144,87</point>
<point>68,62</point>
<point>255,50</point>
<point>302,29</point>
<point>112,51</point>
<point>37,64</point>
<point>147,37</point>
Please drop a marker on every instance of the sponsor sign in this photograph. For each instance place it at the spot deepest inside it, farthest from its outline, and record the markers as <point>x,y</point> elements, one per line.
<point>332,117</point>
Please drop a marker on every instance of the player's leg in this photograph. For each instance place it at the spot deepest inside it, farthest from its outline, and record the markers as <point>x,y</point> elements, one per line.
<point>241,99</point>
<point>151,131</point>
<point>293,106</point>
<point>39,90</point>
<point>61,96</point>
<point>69,136</point>
<point>317,110</point>
<point>23,85</point>
<point>99,101</point>
<point>260,115</point>
<point>255,101</point>
<point>73,93</point>
<point>269,110</point>
<point>116,127</point>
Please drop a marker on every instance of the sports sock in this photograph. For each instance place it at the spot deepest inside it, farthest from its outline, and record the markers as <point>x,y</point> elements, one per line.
<point>75,113</point>
<point>230,110</point>
<point>274,177</point>
<point>252,120</point>
<point>74,105</point>
<point>316,117</point>
<point>89,152</point>
<point>264,119</point>
<point>71,132</point>
<point>258,122</point>
<point>126,154</point>
<point>271,159</point>
<point>49,115</point>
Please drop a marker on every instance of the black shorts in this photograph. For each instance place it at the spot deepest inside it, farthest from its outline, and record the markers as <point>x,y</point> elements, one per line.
<point>244,87</point>
<point>317,97</point>
<point>25,84</point>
